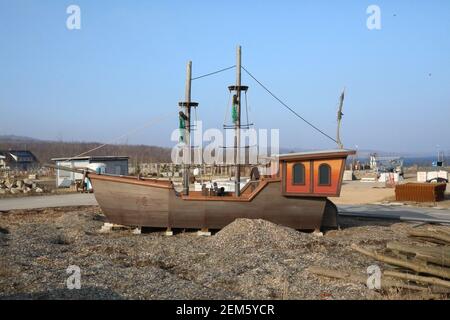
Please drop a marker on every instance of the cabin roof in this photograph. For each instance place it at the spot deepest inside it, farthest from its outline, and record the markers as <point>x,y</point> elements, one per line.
<point>92,158</point>
<point>320,154</point>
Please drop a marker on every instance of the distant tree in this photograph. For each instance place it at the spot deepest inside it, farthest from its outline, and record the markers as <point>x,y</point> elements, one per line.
<point>46,150</point>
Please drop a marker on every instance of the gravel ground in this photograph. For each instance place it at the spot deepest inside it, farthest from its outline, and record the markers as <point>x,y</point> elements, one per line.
<point>249,259</point>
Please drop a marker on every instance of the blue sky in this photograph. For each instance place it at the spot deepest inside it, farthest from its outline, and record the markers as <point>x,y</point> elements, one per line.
<point>127,65</point>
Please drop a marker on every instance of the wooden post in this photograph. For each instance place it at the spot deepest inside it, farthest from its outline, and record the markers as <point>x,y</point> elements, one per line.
<point>339,118</point>
<point>188,128</point>
<point>237,139</point>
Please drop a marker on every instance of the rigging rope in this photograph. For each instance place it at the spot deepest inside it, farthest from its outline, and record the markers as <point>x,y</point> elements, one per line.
<point>212,73</point>
<point>289,108</point>
<point>148,124</point>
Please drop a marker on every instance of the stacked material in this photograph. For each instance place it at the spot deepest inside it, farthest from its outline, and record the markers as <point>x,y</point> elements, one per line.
<point>420,192</point>
<point>424,267</point>
<point>428,264</point>
<point>390,177</point>
<point>13,186</point>
<point>423,176</point>
<point>349,175</point>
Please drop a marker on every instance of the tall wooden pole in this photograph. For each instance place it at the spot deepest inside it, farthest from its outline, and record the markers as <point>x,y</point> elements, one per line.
<point>188,128</point>
<point>339,118</point>
<point>237,140</point>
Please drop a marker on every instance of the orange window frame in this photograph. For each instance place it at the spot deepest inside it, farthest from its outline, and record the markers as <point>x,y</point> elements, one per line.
<point>303,174</point>
<point>329,175</point>
<point>336,166</point>
<point>289,186</point>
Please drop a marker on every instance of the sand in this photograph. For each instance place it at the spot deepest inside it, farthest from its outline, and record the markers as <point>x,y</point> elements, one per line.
<point>357,192</point>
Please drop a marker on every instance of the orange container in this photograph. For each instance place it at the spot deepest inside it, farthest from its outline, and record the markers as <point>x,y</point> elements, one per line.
<point>420,192</point>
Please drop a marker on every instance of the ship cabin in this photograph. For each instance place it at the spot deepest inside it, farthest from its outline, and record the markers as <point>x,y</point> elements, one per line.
<point>313,174</point>
<point>301,175</point>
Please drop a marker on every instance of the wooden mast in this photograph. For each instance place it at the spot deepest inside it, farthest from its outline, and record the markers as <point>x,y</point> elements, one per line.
<point>339,118</point>
<point>237,140</point>
<point>187,95</point>
<point>187,104</point>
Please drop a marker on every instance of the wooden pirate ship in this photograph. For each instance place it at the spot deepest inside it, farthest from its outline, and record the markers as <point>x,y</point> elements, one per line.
<point>294,196</point>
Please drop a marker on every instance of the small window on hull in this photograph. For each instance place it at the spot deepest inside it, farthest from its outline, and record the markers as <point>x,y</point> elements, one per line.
<point>298,174</point>
<point>324,175</point>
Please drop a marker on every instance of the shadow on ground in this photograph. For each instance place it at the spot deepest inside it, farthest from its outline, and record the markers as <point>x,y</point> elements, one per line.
<point>89,293</point>
<point>351,222</point>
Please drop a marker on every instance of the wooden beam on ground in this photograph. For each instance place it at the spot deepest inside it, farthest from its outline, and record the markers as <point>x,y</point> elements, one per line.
<point>420,279</point>
<point>437,255</point>
<point>352,277</point>
<point>432,234</point>
<point>435,271</point>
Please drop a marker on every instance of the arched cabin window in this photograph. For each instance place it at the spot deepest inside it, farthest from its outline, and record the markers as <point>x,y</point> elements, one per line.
<point>298,174</point>
<point>324,175</point>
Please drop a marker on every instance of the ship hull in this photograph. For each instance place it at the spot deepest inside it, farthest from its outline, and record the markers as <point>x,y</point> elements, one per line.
<point>128,201</point>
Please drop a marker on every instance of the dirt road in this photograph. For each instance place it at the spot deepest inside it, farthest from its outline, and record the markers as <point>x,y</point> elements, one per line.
<point>248,259</point>
<point>35,202</point>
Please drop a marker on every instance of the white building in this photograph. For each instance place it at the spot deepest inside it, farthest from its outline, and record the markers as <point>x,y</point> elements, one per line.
<point>2,162</point>
<point>108,164</point>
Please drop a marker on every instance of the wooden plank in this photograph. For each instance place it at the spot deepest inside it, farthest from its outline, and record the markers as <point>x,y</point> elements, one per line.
<point>420,279</point>
<point>437,255</point>
<point>436,271</point>
<point>430,234</point>
<point>353,277</point>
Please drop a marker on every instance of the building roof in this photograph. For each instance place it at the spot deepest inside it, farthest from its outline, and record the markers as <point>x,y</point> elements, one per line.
<point>320,154</point>
<point>92,158</point>
<point>19,155</point>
